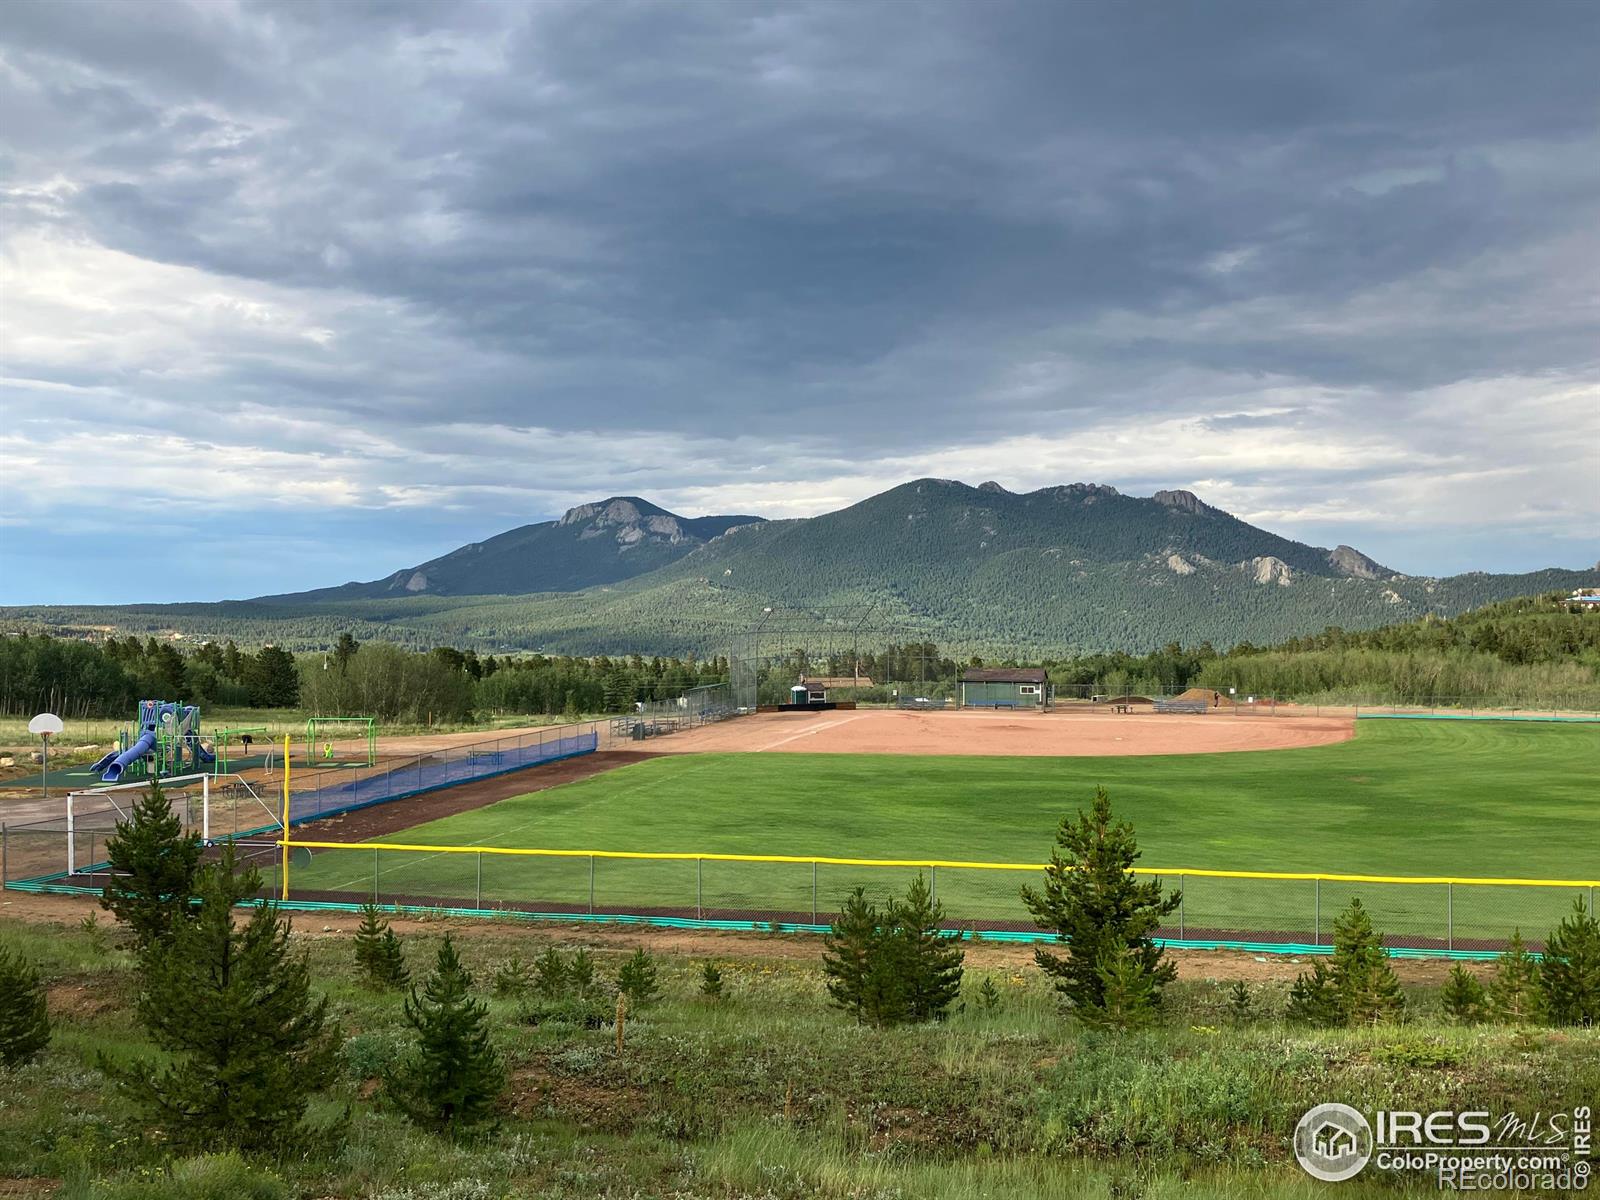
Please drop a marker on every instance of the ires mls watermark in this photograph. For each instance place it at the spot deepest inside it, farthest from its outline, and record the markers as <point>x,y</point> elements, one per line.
<point>1472,1151</point>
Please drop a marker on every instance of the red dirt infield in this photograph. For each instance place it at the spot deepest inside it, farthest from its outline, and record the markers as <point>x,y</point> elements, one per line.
<point>1075,733</point>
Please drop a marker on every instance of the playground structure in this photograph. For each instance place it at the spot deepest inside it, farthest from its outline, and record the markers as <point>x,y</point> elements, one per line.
<point>165,741</point>
<point>330,753</point>
<point>222,745</point>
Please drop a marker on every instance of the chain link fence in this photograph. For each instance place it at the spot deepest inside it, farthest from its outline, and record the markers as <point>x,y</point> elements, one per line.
<point>1270,910</point>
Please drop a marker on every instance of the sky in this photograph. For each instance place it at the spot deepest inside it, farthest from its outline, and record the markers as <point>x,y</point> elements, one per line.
<point>292,294</point>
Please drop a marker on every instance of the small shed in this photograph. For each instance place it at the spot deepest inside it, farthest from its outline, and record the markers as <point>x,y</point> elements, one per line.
<point>1005,687</point>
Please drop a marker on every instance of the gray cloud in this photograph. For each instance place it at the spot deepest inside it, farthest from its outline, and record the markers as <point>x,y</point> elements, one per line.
<point>812,244</point>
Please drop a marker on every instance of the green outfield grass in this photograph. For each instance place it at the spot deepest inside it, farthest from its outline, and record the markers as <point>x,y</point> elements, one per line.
<point>1403,798</point>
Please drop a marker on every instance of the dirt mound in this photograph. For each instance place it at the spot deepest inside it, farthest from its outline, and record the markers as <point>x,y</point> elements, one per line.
<point>1210,695</point>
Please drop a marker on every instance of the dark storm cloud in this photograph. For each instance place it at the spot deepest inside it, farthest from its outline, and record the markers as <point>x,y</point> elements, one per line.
<point>816,233</point>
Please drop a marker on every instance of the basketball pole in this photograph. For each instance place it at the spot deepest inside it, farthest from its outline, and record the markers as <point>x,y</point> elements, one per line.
<point>284,824</point>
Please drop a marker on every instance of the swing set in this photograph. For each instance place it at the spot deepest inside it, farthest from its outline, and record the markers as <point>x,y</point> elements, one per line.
<point>322,749</point>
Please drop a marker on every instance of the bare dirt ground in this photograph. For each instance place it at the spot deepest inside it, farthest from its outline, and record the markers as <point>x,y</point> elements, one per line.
<point>1075,733</point>
<point>1223,965</point>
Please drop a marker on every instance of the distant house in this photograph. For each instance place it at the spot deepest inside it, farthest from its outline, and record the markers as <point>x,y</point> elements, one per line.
<point>820,690</point>
<point>1005,687</point>
<point>1590,599</point>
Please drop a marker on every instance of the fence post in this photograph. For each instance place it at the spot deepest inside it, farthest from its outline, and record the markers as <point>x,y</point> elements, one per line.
<point>5,845</point>
<point>1449,915</point>
<point>591,885</point>
<point>72,851</point>
<point>699,887</point>
<point>480,879</point>
<point>933,884</point>
<point>1183,901</point>
<point>375,853</point>
<point>205,809</point>
<point>1316,914</point>
<point>814,894</point>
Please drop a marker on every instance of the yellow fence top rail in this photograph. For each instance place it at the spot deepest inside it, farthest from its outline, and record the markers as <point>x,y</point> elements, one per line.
<point>957,864</point>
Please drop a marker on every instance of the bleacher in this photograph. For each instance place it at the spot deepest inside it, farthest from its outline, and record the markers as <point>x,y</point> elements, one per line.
<point>1196,707</point>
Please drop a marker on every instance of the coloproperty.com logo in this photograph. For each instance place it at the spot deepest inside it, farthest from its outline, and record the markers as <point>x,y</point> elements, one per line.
<point>1470,1151</point>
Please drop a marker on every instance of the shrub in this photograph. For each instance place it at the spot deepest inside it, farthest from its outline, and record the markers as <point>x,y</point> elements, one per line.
<point>1569,976</point>
<point>378,952</point>
<point>1314,997</point>
<point>1359,988</point>
<point>1241,1004</point>
<point>24,1023</point>
<point>637,979</point>
<point>453,1083</point>
<point>214,1177</point>
<point>581,981</point>
<point>1099,909</point>
<point>988,996</point>
<point>1127,995</point>
<point>153,866</point>
<point>711,981</point>
<point>233,1006</point>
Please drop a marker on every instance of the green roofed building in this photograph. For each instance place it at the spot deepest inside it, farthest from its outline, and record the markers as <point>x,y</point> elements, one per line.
<point>1005,687</point>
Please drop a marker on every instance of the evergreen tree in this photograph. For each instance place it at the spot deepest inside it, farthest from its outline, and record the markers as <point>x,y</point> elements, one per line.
<point>514,978</point>
<point>550,974</point>
<point>1465,1002</point>
<point>273,679</point>
<point>580,976</point>
<point>1514,990</point>
<point>454,1082</point>
<point>344,650</point>
<point>930,962</point>
<point>847,950</point>
<point>378,951</point>
<point>1569,976</point>
<point>1096,905</point>
<point>234,1009</point>
<point>24,1023</point>
<point>1127,995</point>
<point>988,995</point>
<point>1314,997</point>
<point>637,979</point>
<point>711,981</point>
<point>152,870</point>
<point>1369,992</point>
<point>1240,1002</point>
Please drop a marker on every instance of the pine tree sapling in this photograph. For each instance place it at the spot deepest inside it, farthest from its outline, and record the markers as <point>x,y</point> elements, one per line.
<point>233,1006</point>
<point>1241,1004</point>
<point>931,961</point>
<point>1464,999</point>
<point>550,974</point>
<point>1314,997</point>
<point>988,995</point>
<point>846,951</point>
<point>1127,994</point>
<point>711,981</point>
<point>1368,989</point>
<point>1096,905</point>
<point>513,978</point>
<point>454,1081</point>
<point>24,1024</point>
<point>152,864</point>
<point>637,979</point>
<point>1514,989</point>
<point>581,979</point>
<point>378,951</point>
<point>1569,975</point>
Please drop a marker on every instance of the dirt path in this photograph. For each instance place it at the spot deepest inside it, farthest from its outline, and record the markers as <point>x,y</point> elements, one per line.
<point>1221,965</point>
<point>1073,733</point>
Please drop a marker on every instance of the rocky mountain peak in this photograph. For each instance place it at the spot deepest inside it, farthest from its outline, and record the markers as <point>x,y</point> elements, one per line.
<point>1183,501</point>
<point>1347,560</point>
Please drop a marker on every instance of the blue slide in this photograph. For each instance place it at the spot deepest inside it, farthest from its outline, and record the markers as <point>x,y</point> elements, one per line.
<point>114,764</point>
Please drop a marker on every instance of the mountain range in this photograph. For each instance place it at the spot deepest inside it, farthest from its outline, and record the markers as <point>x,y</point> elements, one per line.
<point>1067,569</point>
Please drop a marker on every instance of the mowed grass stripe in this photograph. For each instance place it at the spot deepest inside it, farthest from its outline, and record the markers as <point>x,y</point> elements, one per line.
<point>1402,798</point>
